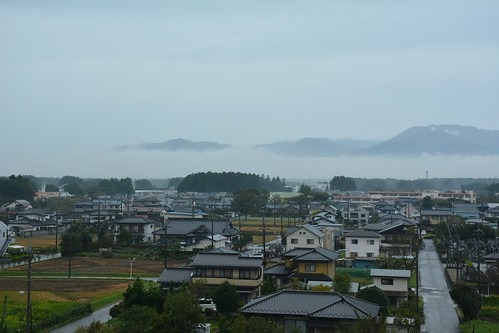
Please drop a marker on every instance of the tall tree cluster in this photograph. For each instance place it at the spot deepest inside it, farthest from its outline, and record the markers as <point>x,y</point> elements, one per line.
<point>16,188</point>
<point>229,182</point>
<point>342,183</point>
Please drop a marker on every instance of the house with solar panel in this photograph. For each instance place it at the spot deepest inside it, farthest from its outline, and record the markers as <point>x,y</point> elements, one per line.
<point>309,311</point>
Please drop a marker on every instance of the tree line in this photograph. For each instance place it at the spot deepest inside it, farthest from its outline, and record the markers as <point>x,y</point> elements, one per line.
<point>229,182</point>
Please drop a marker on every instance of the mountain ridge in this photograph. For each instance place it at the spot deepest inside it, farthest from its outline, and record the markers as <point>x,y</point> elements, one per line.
<point>439,140</point>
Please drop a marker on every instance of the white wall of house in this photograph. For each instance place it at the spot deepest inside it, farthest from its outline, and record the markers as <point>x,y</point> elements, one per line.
<point>362,247</point>
<point>304,239</point>
<point>391,283</point>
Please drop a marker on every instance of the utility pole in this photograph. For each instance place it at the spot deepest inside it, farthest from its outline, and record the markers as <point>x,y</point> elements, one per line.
<point>28,303</point>
<point>263,225</point>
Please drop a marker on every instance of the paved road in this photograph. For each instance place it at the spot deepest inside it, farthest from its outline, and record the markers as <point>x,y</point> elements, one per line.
<point>439,309</point>
<point>101,315</point>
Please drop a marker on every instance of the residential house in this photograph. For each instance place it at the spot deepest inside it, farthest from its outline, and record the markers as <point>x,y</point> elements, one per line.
<point>217,266</point>
<point>142,229</point>
<point>333,232</point>
<point>354,214</point>
<point>173,278</point>
<point>305,235</point>
<point>466,211</point>
<point>362,247</point>
<point>6,237</point>
<point>316,264</point>
<point>17,205</point>
<point>394,282</point>
<point>28,227</point>
<point>326,213</point>
<point>435,216</point>
<point>492,212</point>
<point>308,311</point>
<point>197,234</point>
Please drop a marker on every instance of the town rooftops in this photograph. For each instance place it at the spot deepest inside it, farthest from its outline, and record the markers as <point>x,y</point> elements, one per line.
<point>323,305</point>
<point>400,273</point>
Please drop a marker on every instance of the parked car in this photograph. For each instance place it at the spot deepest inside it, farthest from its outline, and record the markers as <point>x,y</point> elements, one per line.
<point>207,304</point>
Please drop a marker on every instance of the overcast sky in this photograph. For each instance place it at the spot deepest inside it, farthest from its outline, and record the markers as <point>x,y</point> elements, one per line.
<point>80,77</point>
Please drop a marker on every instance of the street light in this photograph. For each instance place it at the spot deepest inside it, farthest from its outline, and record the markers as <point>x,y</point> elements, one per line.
<point>131,268</point>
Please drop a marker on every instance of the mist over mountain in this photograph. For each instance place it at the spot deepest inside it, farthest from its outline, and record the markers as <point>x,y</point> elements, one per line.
<point>437,140</point>
<point>433,140</point>
<point>176,145</point>
<point>316,147</point>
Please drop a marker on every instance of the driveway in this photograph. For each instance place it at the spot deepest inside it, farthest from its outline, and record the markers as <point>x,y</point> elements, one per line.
<point>439,309</point>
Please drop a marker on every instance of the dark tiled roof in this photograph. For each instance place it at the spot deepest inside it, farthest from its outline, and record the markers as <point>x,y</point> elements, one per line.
<point>323,305</point>
<point>363,233</point>
<point>175,275</point>
<point>134,220</point>
<point>278,269</point>
<point>317,254</point>
<point>207,259</point>
<point>181,227</point>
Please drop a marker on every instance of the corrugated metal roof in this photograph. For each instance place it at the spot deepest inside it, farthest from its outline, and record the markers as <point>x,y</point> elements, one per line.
<point>402,273</point>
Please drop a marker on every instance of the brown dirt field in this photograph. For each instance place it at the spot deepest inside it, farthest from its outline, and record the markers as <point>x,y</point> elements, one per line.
<point>97,265</point>
<point>80,290</point>
<point>38,241</point>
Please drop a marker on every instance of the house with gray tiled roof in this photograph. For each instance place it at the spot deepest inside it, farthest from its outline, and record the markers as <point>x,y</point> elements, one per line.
<point>215,267</point>
<point>317,264</point>
<point>362,246</point>
<point>197,234</point>
<point>142,229</point>
<point>305,235</point>
<point>309,311</point>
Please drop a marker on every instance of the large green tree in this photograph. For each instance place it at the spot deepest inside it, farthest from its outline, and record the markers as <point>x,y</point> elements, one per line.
<point>226,298</point>
<point>375,295</point>
<point>16,188</point>
<point>467,298</point>
<point>341,282</point>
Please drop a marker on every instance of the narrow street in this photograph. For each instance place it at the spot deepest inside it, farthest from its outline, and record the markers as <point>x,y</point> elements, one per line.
<point>101,315</point>
<point>439,309</point>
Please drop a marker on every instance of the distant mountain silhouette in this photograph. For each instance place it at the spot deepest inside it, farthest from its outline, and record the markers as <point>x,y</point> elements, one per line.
<point>315,147</point>
<point>437,140</point>
<point>176,145</point>
<point>415,141</point>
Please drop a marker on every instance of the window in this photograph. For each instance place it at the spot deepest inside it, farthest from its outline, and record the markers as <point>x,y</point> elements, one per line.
<point>310,241</point>
<point>387,282</point>
<point>370,242</point>
<point>355,241</point>
<point>353,254</point>
<point>370,254</point>
<point>294,240</point>
<point>310,268</point>
<point>245,274</point>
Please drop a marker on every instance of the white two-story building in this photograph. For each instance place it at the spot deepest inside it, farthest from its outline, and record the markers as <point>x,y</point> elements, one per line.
<point>362,247</point>
<point>304,236</point>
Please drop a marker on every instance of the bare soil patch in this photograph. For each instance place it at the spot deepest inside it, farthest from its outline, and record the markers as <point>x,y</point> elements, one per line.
<point>96,265</point>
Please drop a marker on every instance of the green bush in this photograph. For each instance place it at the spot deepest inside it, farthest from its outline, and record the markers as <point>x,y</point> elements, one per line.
<point>489,313</point>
